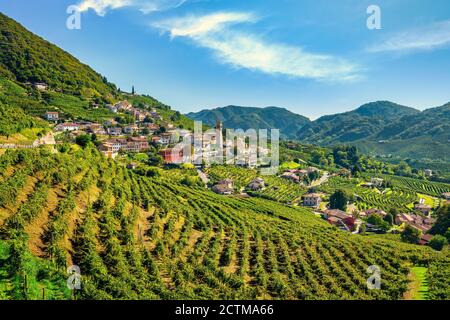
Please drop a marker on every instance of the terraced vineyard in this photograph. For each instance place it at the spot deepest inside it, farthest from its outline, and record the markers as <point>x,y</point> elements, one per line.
<point>136,237</point>
<point>431,188</point>
<point>399,198</point>
<point>277,189</point>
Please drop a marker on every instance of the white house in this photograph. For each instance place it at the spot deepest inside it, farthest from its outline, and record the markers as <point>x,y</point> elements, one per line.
<point>40,86</point>
<point>114,131</point>
<point>67,127</point>
<point>377,182</point>
<point>312,200</point>
<point>51,116</point>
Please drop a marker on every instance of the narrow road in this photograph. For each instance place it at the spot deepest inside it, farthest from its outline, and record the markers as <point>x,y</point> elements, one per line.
<point>321,181</point>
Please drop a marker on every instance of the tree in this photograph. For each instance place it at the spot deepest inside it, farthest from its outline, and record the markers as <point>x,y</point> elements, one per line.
<point>132,90</point>
<point>176,116</point>
<point>443,221</point>
<point>393,212</point>
<point>438,242</point>
<point>362,228</point>
<point>378,221</point>
<point>411,235</point>
<point>389,219</point>
<point>339,200</point>
<point>447,234</point>
<point>83,140</point>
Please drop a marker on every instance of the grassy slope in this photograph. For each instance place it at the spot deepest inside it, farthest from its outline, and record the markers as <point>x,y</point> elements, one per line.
<point>418,288</point>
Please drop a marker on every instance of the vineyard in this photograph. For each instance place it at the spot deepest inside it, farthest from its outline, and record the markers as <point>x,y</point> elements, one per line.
<point>277,189</point>
<point>398,198</point>
<point>139,237</point>
<point>435,189</point>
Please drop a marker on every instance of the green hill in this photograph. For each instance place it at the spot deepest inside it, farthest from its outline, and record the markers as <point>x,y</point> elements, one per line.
<point>27,57</point>
<point>255,118</point>
<point>347,127</point>
<point>73,86</point>
<point>385,128</point>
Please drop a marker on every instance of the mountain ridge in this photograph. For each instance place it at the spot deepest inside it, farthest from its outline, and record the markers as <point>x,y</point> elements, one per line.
<point>371,127</point>
<point>270,117</point>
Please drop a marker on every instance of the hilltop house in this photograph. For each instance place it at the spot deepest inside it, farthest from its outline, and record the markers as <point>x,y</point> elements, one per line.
<point>256,184</point>
<point>110,148</point>
<point>152,127</point>
<point>375,211</point>
<point>134,144</point>
<point>41,86</point>
<point>67,127</point>
<point>51,115</point>
<point>165,138</point>
<point>424,208</point>
<point>172,155</point>
<point>224,187</point>
<point>114,131</point>
<point>377,182</point>
<point>428,172</point>
<point>340,219</point>
<point>131,129</point>
<point>123,106</point>
<point>290,176</point>
<point>96,128</point>
<point>416,221</point>
<point>335,213</point>
<point>312,200</point>
<point>425,239</point>
<point>112,108</point>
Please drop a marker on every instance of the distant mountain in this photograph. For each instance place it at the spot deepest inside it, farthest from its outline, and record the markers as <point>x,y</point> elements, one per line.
<point>26,57</point>
<point>385,128</point>
<point>238,117</point>
<point>361,123</point>
<point>376,128</point>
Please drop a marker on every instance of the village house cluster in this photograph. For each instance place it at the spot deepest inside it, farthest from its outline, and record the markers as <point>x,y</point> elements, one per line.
<point>421,219</point>
<point>209,147</point>
<point>298,175</point>
<point>127,138</point>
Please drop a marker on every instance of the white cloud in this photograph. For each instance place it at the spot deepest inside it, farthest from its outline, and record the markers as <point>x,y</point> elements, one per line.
<point>246,50</point>
<point>425,38</point>
<point>193,26</point>
<point>145,6</point>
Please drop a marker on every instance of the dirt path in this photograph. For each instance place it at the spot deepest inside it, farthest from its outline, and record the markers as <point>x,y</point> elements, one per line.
<point>36,229</point>
<point>321,181</point>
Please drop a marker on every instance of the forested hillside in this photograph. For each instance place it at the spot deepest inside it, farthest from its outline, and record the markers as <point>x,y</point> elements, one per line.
<point>235,117</point>
<point>28,58</point>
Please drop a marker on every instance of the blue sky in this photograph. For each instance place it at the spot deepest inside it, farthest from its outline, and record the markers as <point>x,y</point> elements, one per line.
<point>313,57</point>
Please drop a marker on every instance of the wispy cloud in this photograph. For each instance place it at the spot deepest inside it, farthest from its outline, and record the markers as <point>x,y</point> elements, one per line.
<point>145,6</point>
<point>424,38</point>
<point>193,26</point>
<point>242,49</point>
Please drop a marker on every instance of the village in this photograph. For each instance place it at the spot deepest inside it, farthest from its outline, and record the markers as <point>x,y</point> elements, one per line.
<point>150,132</point>
<point>352,220</point>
